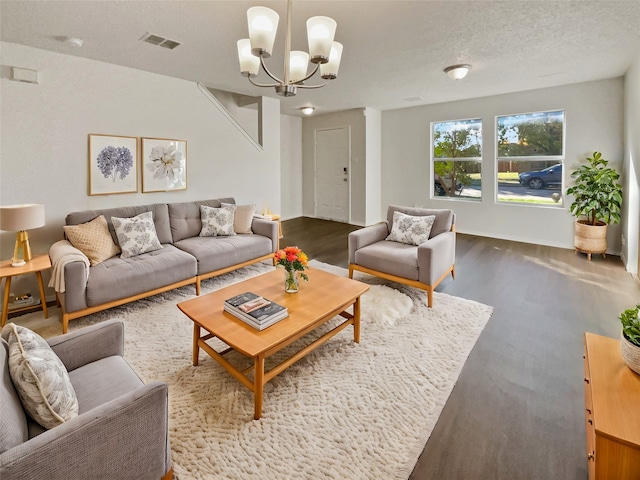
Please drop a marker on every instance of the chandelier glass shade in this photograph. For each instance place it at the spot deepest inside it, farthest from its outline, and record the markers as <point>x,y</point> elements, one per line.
<point>324,52</point>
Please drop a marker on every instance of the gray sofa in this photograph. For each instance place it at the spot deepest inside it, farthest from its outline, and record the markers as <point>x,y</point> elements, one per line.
<point>122,427</point>
<point>186,258</point>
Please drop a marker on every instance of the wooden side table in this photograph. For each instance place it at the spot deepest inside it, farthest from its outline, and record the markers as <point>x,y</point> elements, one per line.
<point>36,265</point>
<point>612,396</point>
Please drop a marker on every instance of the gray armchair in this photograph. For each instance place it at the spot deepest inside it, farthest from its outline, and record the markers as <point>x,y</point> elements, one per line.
<point>423,266</point>
<point>121,430</point>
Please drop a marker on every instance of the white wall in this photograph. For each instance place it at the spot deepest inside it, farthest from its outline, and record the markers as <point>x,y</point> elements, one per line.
<point>631,221</point>
<point>291,166</point>
<point>45,128</point>
<point>373,186</point>
<point>594,122</point>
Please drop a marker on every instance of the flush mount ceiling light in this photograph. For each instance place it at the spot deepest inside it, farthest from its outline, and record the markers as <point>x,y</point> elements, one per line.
<point>76,42</point>
<point>457,72</point>
<point>307,110</point>
<point>323,51</point>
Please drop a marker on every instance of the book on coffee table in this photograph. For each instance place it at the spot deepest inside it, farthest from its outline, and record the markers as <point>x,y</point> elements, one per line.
<point>255,310</point>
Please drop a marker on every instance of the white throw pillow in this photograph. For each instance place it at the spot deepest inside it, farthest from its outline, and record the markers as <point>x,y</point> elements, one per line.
<point>409,229</point>
<point>242,217</point>
<point>93,239</point>
<point>216,221</point>
<point>136,235</point>
<point>40,377</point>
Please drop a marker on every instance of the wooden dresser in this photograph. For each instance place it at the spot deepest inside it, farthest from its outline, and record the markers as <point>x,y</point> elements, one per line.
<point>612,402</point>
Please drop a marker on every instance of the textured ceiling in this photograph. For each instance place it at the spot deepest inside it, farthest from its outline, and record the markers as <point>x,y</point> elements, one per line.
<point>393,50</point>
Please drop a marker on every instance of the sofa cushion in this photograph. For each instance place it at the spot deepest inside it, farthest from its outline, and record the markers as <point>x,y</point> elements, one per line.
<point>118,278</point>
<point>136,235</point>
<point>40,378</point>
<point>216,221</point>
<point>242,217</point>
<point>214,253</point>
<point>409,229</point>
<point>160,218</point>
<point>185,217</point>
<point>442,223</point>
<point>391,257</point>
<point>101,381</point>
<point>93,239</point>
<point>13,420</point>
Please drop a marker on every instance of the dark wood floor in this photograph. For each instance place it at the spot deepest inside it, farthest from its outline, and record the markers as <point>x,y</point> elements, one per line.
<point>516,411</point>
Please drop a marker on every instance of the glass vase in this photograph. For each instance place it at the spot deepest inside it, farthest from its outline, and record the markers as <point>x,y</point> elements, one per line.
<point>290,281</point>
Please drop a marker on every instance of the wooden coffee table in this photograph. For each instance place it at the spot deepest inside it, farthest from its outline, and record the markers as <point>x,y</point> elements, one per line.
<point>319,300</point>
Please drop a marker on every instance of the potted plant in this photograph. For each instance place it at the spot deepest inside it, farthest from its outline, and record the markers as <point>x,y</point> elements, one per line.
<point>597,201</point>
<point>630,341</point>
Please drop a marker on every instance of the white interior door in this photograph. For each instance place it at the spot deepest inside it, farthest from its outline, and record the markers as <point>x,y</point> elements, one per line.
<point>332,157</point>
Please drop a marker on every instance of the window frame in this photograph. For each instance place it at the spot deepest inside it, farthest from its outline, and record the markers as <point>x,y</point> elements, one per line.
<point>559,159</point>
<point>435,159</point>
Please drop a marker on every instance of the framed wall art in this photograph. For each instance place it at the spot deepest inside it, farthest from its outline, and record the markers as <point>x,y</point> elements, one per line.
<point>113,164</point>
<point>164,165</point>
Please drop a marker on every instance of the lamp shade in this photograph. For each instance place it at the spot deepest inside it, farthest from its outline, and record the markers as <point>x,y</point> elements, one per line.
<point>298,61</point>
<point>15,218</point>
<point>329,70</point>
<point>320,33</point>
<point>263,24</point>
<point>249,63</point>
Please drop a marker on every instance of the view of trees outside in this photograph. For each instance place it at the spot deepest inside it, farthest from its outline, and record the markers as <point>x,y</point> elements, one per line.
<point>457,157</point>
<point>528,144</point>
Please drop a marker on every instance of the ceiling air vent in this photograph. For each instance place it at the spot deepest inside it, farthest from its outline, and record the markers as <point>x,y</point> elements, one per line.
<point>154,39</point>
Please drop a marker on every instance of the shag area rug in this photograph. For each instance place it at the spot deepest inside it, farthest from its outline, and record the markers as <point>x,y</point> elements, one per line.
<point>345,411</point>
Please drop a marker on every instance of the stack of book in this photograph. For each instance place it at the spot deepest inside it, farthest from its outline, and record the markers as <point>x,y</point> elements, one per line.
<point>255,310</point>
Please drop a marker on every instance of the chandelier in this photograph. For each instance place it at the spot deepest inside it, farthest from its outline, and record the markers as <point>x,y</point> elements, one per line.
<point>324,53</point>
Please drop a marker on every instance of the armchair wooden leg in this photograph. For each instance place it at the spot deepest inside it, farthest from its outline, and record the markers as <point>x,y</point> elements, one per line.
<point>453,272</point>
<point>350,271</point>
<point>430,297</point>
<point>168,475</point>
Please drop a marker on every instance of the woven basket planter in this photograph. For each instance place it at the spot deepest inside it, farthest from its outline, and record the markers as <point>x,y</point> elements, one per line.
<point>630,354</point>
<point>590,238</point>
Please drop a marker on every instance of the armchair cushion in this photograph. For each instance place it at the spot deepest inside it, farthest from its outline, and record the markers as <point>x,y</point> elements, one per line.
<point>394,258</point>
<point>40,377</point>
<point>13,420</point>
<point>442,223</point>
<point>409,229</point>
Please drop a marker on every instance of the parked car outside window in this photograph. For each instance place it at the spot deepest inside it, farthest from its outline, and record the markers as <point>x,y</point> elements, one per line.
<point>542,178</point>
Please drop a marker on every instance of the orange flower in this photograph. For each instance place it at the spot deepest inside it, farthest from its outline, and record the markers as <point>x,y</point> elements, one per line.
<point>292,258</point>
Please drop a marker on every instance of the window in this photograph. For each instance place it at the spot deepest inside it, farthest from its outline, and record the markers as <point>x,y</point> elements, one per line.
<point>530,150</point>
<point>457,158</point>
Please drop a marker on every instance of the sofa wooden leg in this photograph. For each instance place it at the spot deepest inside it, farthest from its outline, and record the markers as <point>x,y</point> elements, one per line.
<point>350,271</point>
<point>168,475</point>
<point>453,272</point>
<point>198,286</point>
<point>65,322</point>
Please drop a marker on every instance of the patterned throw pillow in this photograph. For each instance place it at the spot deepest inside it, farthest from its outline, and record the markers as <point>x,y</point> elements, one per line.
<point>93,239</point>
<point>216,221</point>
<point>40,377</point>
<point>136,235</point>
<point>409,229</point>
<point>242,217</point>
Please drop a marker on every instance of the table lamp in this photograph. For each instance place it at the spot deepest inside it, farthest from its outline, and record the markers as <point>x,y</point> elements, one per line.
<point>20,218</point>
